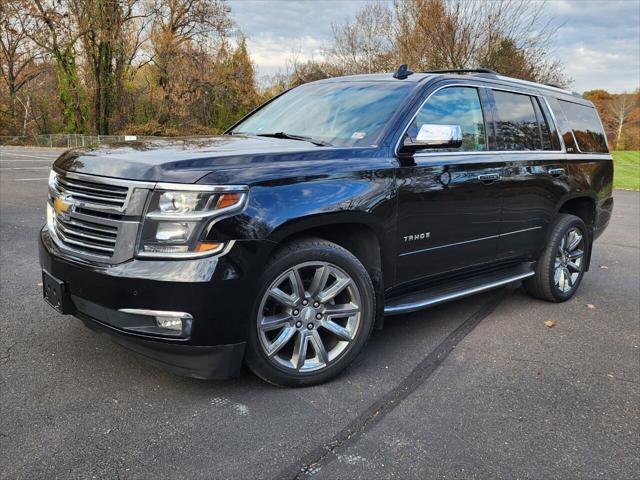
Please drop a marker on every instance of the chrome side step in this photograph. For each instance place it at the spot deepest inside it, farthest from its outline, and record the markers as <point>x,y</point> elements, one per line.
<point>443,293</point>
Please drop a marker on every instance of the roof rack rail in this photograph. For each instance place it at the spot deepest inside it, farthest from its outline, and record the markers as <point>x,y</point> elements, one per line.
<point>465,70</point>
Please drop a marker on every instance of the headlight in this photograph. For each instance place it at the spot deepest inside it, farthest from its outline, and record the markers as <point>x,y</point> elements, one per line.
<point>176,221</point>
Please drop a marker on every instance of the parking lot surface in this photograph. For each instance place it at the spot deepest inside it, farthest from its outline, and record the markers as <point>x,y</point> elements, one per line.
<point>478,388</point>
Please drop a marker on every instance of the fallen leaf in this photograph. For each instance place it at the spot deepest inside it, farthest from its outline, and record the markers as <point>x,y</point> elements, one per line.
<point>604,267</point>
<point>590,306</point>
<point>609,375</point>
<point>39,284</point>
<point>550,323</point>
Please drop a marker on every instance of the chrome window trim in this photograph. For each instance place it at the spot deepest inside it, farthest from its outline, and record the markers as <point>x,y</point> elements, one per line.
<point>482,152</point>
<point>563,147</point>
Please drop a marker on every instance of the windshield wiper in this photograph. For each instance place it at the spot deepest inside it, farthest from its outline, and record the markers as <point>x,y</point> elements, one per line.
<point>320,143</point>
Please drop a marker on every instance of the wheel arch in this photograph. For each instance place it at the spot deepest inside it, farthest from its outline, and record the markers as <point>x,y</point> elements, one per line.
<point>585,208</point>
<point>359,233</point>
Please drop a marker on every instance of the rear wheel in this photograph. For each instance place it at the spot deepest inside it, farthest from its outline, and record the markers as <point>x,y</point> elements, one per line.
<point>562,264</point>
<point>313,316</point>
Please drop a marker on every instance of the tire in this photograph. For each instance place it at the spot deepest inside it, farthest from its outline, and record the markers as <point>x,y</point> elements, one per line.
<point>299,314</point>
<point>562,264</point>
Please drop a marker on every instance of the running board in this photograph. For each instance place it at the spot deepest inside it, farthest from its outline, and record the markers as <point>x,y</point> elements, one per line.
<point>435,295</point>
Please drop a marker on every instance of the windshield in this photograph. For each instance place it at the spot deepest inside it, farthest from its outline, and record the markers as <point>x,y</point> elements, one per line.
<point>340,114</point>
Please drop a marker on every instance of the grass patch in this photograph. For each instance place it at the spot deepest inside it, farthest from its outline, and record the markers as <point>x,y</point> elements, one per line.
<point>626,170</point>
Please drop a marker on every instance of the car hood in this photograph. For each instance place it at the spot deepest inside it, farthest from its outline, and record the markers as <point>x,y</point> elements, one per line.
<point>224,159</point>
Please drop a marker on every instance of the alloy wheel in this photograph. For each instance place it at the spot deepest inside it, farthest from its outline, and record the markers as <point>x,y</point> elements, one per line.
<point>569,261</point>
<point>309,316</point>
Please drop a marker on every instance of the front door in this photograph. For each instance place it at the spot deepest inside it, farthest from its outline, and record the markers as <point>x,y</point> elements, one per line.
<point>449,200</point>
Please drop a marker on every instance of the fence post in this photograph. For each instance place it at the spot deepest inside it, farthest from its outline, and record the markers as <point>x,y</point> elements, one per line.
<point>50,141</point>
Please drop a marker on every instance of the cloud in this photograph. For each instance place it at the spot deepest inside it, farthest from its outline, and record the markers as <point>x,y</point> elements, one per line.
<point>598,41</point>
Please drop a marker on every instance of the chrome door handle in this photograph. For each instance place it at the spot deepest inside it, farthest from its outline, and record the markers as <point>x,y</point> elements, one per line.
<point>489,177</point>
<point>557,172</point>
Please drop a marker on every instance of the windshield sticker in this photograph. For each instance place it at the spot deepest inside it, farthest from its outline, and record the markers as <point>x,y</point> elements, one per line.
<point>359,135</point>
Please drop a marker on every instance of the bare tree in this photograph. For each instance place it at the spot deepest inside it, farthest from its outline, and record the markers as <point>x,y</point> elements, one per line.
<point>177,25</point>
<point>363,44</point>
<point>512,36</point>
<point>19,55</point>
<point>621,107</point>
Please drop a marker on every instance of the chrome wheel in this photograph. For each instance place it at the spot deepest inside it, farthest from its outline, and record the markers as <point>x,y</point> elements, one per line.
<point>569,260</point>
<point>309,316</point>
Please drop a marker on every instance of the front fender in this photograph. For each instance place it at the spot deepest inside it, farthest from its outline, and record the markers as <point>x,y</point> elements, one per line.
<point>285,208</point>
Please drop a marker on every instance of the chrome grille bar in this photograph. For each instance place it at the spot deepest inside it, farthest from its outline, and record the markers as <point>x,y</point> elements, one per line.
<point>92,193</point>
<point>74,237</point>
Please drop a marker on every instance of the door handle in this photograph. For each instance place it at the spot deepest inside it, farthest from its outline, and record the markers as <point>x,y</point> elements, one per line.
<point>489,177</point>
<point>556,172</point>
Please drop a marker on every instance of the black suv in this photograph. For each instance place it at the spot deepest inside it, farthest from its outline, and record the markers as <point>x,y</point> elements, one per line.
<point>287,240</point>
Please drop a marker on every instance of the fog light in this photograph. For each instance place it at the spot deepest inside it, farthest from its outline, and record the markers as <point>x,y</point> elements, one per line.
<point>170,323</point>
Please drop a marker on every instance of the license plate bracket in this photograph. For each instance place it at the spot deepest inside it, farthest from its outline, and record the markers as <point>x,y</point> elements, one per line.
<point>55,293</point>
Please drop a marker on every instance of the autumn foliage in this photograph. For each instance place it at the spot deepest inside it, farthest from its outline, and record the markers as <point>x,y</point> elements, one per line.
<point>182,67</point>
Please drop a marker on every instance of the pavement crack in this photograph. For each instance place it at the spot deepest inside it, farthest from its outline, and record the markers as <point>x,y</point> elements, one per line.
<point>6,356</point>
<point>311,463</point>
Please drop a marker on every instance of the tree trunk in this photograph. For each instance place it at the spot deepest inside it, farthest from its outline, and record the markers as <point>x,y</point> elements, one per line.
<point>619,135</point>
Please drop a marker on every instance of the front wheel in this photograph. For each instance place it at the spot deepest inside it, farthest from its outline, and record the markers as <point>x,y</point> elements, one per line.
<point>313,316</point>
<point>562,264</point>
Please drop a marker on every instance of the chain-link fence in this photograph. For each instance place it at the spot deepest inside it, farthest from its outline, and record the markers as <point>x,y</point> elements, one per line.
<point>71,140</point>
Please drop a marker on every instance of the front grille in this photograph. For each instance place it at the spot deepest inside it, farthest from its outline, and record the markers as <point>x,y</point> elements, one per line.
<point>89,237</point>
<point>92,193</point>
<point>96,218</point>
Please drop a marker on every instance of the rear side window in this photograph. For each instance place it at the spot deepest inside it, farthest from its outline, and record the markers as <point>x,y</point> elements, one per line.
<point>454,106</point>
<point>586,127</point>
<point>521,124</point>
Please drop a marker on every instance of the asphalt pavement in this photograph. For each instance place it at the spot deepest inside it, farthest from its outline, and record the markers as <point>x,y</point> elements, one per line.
<point>478,388</point>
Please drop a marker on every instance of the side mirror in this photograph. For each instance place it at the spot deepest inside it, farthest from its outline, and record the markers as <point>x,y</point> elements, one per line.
<point>435,136</point>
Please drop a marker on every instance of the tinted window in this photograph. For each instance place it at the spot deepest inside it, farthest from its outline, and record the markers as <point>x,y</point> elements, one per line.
<point>586,127</point>
<point>341,113</point>
<point>454,106</point>
<point>563,124</point>
<point>518,124</point>
<point>548,134</point>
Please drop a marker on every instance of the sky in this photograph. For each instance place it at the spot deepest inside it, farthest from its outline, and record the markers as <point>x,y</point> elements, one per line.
<point>598,41</point>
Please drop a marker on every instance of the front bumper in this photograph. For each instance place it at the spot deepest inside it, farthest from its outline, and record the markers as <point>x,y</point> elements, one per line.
<point>215,291</point>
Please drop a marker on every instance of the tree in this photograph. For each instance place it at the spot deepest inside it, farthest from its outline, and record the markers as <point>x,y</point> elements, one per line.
<point>102,26</point>
<point>621,108</point>
<point>363,44</point>
<point>510,36</point>
<point>19,56</point>
<point>177,26</point>
<point>57,33</point>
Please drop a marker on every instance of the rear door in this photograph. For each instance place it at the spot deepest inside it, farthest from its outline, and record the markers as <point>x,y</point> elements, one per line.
<point>535,175</point>
<point>449,199</point>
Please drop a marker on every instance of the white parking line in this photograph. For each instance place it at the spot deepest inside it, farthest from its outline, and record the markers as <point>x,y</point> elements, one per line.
<point>21,160</point>
<point>29,179</point>
<point>24,168</point>
<point>29,156</point>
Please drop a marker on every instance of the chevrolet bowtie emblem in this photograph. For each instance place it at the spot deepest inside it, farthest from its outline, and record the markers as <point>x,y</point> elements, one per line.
<point>60,206</point>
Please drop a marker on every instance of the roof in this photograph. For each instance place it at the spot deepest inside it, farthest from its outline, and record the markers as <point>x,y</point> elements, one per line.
<point>418,77</point>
